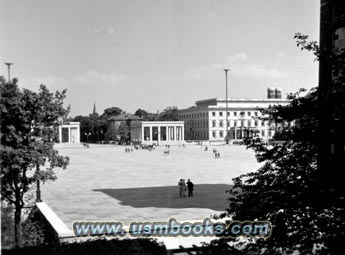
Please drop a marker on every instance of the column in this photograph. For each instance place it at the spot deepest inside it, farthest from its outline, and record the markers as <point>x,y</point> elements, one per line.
<point>168,133</point>
<point>174,127</point>
<point>142,133</point>
<point>159,134</point>
<point>150,133</point>
<point>182,133</point>
<point>60,134</point>
<point>78,134</point>
<point>69,134</point>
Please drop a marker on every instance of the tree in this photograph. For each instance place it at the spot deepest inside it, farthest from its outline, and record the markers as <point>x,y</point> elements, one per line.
<point>29,122</point>
<point>142,114</point>
<point>111,111</point>
<point>169,114</point>
<point>305,206</point>
<point>124,131</point>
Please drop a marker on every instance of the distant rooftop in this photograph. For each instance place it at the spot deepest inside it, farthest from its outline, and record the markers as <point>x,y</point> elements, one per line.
<point>214,101</point>
<point>125,116</point>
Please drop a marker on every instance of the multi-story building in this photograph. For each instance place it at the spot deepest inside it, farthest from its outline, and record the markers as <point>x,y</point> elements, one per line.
<point>207,119</point>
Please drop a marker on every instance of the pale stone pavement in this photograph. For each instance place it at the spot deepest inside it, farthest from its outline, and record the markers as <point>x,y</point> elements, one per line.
<point>103,183</point>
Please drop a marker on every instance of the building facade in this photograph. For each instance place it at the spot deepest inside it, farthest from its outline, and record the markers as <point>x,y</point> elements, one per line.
<point>69,132</point>
<point>158,132</point>
<point>115,122</point>
<point>207,120</point>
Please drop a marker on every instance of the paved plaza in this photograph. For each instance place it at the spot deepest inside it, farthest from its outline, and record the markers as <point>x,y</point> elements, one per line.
<point>103,183</point>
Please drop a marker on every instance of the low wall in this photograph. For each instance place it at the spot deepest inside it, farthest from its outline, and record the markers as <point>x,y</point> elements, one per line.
<point>56,230</point>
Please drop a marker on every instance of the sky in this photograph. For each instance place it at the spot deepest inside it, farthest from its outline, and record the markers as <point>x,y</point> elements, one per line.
<point>151,54</point>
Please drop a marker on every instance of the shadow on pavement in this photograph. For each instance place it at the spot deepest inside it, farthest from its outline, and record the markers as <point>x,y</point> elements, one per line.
<point>211,196</point>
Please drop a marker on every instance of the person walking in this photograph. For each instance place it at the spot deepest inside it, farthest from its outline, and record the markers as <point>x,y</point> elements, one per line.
<point>190,187</point>
<point>182,187</point>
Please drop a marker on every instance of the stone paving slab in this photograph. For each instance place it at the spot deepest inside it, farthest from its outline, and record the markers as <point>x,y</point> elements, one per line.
<point>103,183</point>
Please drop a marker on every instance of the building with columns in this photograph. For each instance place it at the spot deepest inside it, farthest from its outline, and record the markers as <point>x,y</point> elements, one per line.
<point>207,120</point>
<point>69,132</point>
<point>157,132</point>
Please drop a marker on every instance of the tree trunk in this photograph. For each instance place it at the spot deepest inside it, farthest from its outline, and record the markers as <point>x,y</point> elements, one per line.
<point>17,226</point>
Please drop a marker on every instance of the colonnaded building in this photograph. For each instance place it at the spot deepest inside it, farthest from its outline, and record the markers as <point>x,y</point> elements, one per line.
<point>207,119</point>
<point>158,132</point>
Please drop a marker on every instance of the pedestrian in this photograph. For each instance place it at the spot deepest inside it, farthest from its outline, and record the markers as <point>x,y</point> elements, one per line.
<point>182,187</point>
<point>190,187</point>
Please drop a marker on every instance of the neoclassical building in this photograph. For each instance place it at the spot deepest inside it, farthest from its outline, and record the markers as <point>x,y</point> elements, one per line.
<point>157,132</point>
<point>69,132</point>
<point>207,119</point>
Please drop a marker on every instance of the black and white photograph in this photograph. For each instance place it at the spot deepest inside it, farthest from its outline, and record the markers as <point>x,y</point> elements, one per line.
<point>186,127</point>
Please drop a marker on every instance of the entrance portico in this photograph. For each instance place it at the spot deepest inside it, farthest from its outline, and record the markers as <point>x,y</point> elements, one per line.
<point>69,133</point>
<point>158,132</point>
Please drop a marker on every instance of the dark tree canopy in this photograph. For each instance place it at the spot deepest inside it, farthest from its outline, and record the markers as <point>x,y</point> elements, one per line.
<point>29,123</point>
<point>142,114</point>
<point>169,114</point>
<point>305,206</point>
<point>111,111</point>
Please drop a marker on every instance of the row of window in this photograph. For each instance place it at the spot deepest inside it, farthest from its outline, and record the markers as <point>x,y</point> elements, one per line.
<point>196,124</point>
<point>231,123</point>
<point>221,134</point>
<point>218,113</point>
<point>239,123</point>
<point>221,123</point>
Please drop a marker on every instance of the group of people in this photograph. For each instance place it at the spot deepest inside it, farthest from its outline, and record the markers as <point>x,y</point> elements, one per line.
<point>183,186</point>
<point>216,153</point>
<point>128,150</point>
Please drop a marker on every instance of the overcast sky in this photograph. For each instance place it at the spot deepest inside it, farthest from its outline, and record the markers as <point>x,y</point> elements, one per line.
<point>151,54</point>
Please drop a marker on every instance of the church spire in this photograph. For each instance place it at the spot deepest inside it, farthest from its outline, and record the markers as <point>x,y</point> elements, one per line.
<point>94,108</point>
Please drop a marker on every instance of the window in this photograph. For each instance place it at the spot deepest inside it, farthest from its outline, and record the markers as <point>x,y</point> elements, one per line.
<point>249,113</point>
<point>235,123</point>
<point>256,114</point>
<point>235,113</point>
<point>213,133</point>
<point>213,123</point>
<point>221,133</point>
<point>220,123</point>
<point>220,113</point>
<point>256,123</point>
<point>249,123</point>
<point>263,133</point>
<point>263,123</point>
<point>213,114</point>
<point>228,113</point>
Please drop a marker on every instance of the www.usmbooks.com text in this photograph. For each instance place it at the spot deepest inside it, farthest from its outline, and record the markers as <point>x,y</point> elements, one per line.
<point>174,228</point>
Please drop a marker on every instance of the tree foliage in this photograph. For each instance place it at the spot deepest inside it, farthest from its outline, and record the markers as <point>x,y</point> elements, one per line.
<point>305,207</point>
<point>169,114</point>
<point>111,111</point>
<point>124,131</point>
<point>29,121</point>
<point>142,114</point>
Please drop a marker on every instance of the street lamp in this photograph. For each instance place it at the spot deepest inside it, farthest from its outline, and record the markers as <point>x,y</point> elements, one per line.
<point>9,70</point>
<point>87,136</point>
<point>38,188</point>
<point>226,105</point>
